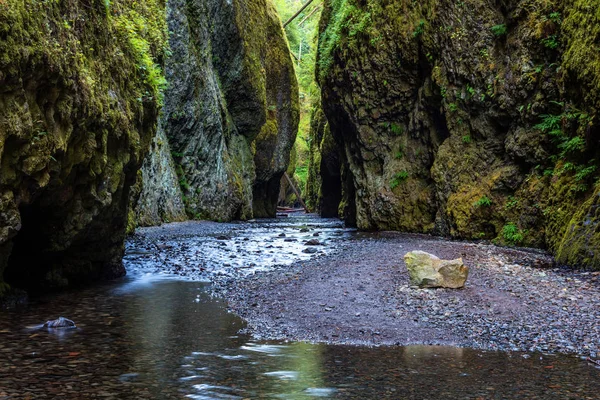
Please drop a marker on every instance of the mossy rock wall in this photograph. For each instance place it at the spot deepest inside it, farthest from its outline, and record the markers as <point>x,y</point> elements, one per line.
<point>231,111</point>
<point>469,119</point>
<point>80,86</point>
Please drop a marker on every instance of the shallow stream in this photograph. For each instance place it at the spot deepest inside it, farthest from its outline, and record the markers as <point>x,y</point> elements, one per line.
<point>155,335</point>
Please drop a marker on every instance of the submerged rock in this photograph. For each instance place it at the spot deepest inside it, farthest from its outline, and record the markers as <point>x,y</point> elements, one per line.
<point>60,323</point>
<point>429,271</point>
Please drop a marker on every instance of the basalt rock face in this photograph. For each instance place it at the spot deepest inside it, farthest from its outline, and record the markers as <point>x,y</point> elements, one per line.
<point>231,109</point>
<point>79,101</point>
<point>469,119</point>
<point>160,199</point>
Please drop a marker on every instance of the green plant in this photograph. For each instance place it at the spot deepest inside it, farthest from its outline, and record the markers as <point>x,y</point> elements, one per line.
<point>400,152</point>
<point>484,201</point>
<point>135,27</point>
<point>575,144</point>
<point>398,179</point>
<point>466,139</point>
<point>511,203</point>
<point>512,234</point>
<point>396,129</point>
<point>585,172</point>
<point>420,29</point>
<point>470,90</point>
<point>453,107</point>
<point>499,30</point>
<point>551,42</point>
<point>555,17</point>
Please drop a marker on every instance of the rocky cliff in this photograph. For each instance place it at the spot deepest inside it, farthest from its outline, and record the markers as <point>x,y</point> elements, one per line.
<point>79,98</point>
<point>471,119</point>
<point>230,115</point>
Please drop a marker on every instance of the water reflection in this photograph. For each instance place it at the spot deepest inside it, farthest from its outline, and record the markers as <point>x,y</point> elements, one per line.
<point>169,339</point>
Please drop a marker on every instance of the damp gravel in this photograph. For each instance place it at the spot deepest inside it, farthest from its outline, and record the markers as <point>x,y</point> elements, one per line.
<point>514,300</point>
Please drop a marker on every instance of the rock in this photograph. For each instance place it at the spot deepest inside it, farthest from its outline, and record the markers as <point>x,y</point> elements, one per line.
<point>230,111</point>
<point>303,230</point>
<point>310,250</point>
<point>428,271</point>
<point>223,237</point>
<point>313,242</point>
<point>73,136</point>
<point>60,323</point>
<point>161,199</point>
<point>442,152</point>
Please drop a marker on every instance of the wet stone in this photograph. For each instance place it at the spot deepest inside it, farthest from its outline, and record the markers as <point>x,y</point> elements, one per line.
<point>313,242</point>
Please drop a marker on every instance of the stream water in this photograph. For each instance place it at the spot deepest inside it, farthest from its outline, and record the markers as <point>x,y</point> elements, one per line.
<point>153,335</point>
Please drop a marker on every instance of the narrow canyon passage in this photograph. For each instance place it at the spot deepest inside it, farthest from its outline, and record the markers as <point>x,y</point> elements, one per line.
<point>290,199</point>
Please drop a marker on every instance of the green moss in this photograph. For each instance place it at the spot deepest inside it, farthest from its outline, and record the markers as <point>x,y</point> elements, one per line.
<point>349,22</point>
<point>78,113</point>
<point>581,32</point>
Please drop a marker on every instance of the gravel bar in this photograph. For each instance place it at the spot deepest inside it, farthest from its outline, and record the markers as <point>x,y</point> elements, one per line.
<point>514,300</point>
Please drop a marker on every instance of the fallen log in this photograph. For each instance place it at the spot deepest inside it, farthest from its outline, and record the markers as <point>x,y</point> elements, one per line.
<point>297,13</point>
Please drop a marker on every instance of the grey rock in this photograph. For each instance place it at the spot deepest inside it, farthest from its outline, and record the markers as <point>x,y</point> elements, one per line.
<point>313,242</point>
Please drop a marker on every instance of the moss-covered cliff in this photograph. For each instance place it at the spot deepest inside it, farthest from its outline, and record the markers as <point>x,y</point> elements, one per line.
<point>80,87</point>
<point>471,119</point>
<point>231,109</point>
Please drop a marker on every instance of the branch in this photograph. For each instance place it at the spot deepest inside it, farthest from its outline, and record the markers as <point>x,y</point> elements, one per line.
<point>309,15</point>
<point>298,13</point>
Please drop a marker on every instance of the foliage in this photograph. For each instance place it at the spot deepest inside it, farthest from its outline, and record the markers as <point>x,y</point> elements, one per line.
<point>566,129</point>
<point>512,234</point>
<point>484,201</point>
<point>396,129</point>
<point>350,20</point>
<point>511,203</point>
<point>398,179</point>
<point>499,30</point>
<point>420,29</point>
<point>302,39</point>
<point>551,42</point>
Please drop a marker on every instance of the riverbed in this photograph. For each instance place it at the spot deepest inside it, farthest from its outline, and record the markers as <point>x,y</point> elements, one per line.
<point>163,331</point>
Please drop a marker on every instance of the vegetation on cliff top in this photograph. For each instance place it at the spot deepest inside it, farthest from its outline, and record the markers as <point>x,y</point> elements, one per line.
<point>302,36</point>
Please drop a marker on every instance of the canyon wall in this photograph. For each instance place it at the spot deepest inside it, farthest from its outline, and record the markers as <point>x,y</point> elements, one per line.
<point>230,116</point>
<point>80,86</point>
<point>471,119</point>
